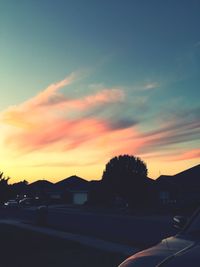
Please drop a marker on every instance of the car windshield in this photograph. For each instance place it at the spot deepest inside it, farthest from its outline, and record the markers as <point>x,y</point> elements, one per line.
<point>194,226</point>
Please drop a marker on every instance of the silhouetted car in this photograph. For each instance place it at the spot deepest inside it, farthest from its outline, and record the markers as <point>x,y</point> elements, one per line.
<point>11,204</point>
<point>26,201</point>
<point>181,250</point>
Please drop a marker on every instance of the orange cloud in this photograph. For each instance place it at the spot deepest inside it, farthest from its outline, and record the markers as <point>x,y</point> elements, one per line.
<point>105,96</point>
<point>187,155</point>
<point>53,123</point>
<point>51,92</point>
<point>28,114</point>
<point>46,119</point>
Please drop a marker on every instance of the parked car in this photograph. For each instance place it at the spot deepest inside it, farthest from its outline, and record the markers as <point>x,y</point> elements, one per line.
<point>181,250</point>
<point>11,204</point>
<point>26,202</point>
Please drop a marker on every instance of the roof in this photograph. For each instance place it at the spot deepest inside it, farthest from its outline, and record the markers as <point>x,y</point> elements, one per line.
<point>149,180</point>
<point>186,179</point>
<point>189,177</point>
<point>193,171</point>
<point>73,183</point>
<point>41,183</point>
<point>164,178</point>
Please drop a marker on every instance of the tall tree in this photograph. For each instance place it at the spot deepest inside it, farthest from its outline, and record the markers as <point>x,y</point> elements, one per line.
<point>125,176</point>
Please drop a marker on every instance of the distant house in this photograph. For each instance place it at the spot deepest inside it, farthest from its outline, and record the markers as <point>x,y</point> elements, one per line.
<point>182,188</point>
<point>40,188</point>
<point>167,189</point>
<point>73,190</point>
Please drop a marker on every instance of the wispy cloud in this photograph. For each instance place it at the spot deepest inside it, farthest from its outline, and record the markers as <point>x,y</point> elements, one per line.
<point>50,94</point>
<point>172,135</point>
<point>51,118</point>
<point>144,86</point>
<point>151,86</point>
<point>187,155</point>
<point>53,122</point>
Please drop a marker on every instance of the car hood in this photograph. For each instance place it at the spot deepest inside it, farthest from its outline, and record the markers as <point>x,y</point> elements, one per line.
<point>157,254</point>
<point>184,258</point>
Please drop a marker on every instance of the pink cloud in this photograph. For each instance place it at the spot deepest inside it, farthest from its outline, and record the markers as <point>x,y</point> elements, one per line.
<point>105,96</point>
<point>45,120</point>
<point>50,102</point>
<point>187,155</point>
<point>51,92</point>
<point>64,133</point>
<point>28,114</point>
<point>54,122</point>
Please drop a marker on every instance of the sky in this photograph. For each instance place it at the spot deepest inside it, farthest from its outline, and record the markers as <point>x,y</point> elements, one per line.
<point>84,81</point>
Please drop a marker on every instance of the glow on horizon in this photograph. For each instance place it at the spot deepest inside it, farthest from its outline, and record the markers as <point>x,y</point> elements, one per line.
<point>132,86</point>
<point>53,136</point>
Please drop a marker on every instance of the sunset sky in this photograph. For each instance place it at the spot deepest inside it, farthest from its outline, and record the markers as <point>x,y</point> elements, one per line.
<point>82,81</point>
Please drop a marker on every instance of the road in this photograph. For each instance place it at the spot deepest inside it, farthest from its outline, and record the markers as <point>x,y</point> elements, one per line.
<point>131,230</point>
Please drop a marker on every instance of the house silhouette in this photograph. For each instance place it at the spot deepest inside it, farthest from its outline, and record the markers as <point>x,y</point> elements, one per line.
<point>181,189</point>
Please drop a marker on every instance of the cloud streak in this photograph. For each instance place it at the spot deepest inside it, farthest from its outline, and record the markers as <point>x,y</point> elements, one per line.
<point>53,122</point>
<point>151,86</point>
<point>50,119</point>
<point>187,155</point>
<point>183,126</point>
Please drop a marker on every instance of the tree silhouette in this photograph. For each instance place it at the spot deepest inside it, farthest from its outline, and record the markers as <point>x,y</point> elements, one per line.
<point>125,176</point>
<point>4,187</point>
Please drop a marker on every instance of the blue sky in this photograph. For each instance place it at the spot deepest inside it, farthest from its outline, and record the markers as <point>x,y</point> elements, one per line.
<point>150,50</point>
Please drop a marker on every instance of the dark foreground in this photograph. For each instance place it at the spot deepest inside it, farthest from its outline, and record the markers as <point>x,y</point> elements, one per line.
<point>22,248</point>
<point>137,231</point>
